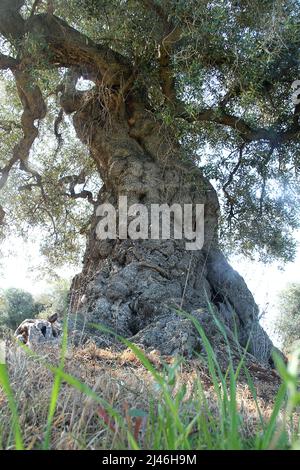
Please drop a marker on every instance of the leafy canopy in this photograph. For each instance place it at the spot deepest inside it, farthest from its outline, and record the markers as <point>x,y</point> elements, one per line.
<point>219,73</point>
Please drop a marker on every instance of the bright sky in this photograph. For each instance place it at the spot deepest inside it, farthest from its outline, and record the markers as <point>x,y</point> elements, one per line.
<point>265,283</point>
<point>19,269</point>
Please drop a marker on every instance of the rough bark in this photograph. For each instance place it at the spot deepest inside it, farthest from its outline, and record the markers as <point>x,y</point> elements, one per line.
<point>137,287</point>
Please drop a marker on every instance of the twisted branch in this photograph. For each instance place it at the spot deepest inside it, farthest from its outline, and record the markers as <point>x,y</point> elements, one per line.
<point>248,133</point>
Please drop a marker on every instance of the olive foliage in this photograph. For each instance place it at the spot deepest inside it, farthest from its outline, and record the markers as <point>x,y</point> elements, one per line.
<point>219,73</point>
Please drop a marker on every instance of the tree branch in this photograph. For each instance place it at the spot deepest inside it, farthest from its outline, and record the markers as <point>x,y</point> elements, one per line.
<point>264,179</point>
<point>2,215</point>
<point>84,194</point>
<point>158,11</point>
<point>170,35</point>
<point>74,180</point>
<point>219,116</point>
<point>6,170</point>
<point>12,25</point>
<point>7,62</point>
<point>165,66</point>
<point>64,46</point>
<point>233,172</point>
<point>34,108</point>
<point>61,44</point>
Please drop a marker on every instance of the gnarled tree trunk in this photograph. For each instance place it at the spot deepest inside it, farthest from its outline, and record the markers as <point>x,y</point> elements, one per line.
<point>137,287</point>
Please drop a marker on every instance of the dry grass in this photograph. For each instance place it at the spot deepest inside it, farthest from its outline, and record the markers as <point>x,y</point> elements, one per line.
<point>120,379</point>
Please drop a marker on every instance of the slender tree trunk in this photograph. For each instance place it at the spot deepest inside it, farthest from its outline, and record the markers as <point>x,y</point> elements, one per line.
<point>136,287</point>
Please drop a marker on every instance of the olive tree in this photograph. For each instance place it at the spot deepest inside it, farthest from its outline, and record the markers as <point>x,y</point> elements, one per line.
<point>164,102</point>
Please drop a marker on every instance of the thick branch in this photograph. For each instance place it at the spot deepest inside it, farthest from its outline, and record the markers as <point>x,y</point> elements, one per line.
<point>12,25</point>
<point>219,116</point>
<point>7,62</point>
<point>34,108</point>
<point>170,35</point>
<point>60,44</point>
<point>65,46</point>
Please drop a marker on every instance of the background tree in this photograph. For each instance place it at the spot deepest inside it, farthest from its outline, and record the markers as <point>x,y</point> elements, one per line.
<point>164,97</point>
<point>17,305</point>
<point>288,325</point>
<point>56,299</point>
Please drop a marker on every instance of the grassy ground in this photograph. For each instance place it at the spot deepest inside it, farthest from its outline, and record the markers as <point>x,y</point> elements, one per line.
<point>90,398</point>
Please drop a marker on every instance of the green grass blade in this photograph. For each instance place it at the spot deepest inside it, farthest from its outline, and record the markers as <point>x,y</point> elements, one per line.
<point>56,387</point>
<point>5,384</point>
<point>271,425</point>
